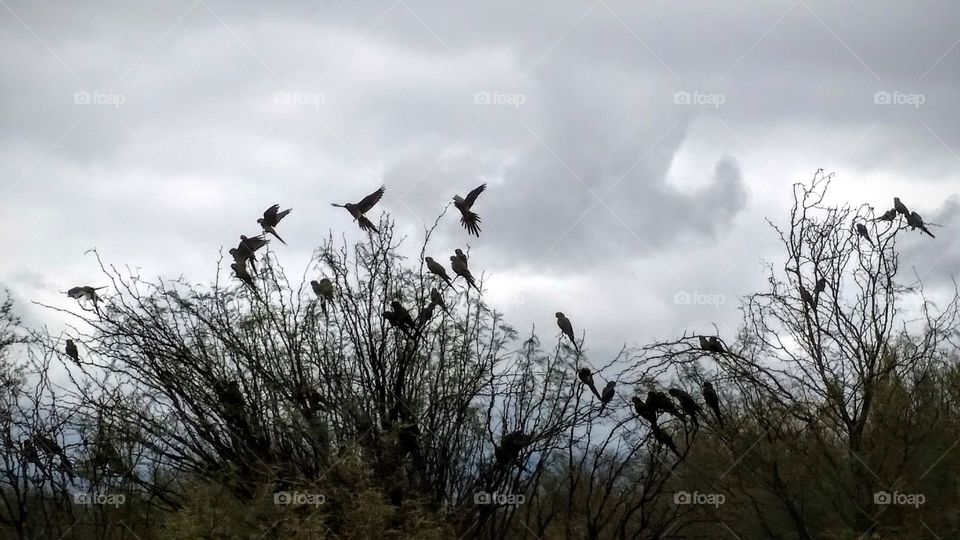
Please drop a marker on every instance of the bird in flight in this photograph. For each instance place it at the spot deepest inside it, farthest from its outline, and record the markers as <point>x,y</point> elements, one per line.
<point>72,352</point>
<point>900,207</point>
<point>437,269</point>
<point>468,218</point>
<point>246,251</point>
<point>713,400</point>
<point>359,209</point>
<point>85,291</point>
<point>567,328</point>
<point>862,231</point>
<point>688,405</point>
<point>271,218</point>
<point>889,215</point>
<point>460,269</point>
<point>916,222</point>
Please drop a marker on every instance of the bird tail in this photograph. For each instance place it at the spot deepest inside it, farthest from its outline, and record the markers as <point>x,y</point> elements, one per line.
<point>471,222</point>
<point>274,232</point>
<point>366,224</point>
<point>928,232</point>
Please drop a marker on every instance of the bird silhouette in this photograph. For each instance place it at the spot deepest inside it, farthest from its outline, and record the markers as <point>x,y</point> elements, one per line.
<point>403,316</point>
<point>72,352</point>
<point>916,222</point>
<point>660,402</point>
<point>713,400</point>
<point>889,215</point>
<point>586,376</point>
<point>425,315</point>
<point>567,328</point>
<point>52,448</point>
<point>715,345</point>
<point>460,269</point>
<point>437,299</point>
<point>359,209</point>
<point>665,439</point>
<point>609,391</point>
<point>324,291</point>
<point>511,445</point>
<point>243,275</point>
<point>688,405</point>
<point>900,207</point>
<point>807,297</point>
<point>85,291</point>
<point>462,256</point>
<point>863,232</point>
<point>271,218</point>
<point>469,219</point>
<point>821,286</point>
<point>644,411</point>
<point>246,250</point>
<point>396,321</point>
<point>437,269</point>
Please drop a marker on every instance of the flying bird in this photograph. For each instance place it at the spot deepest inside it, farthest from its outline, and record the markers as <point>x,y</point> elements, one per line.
<point>437,269</point>
<point>243,275</point>
<point>85,291</point>
<point>900,207</point>
<point>72,352</point>
<point>359,209</point>
<point>862,231</point>
<point>659,402</point>
<point>586,377</point>
<point>713,400</point>
<point>889,215</point>
<point>916,222</point>
<point>246,250</point>
<point>688,405</point>
<point>609,391</point>
<point>469,219</point>
<point>460,269</point>
<point>644,411</point>
<point>567,328</point>
<point>437,299</point>
<point>271,218</point>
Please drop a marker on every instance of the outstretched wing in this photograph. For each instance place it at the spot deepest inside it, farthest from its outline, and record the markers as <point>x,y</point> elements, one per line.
<point>254,243</point>
<point>472,196</point>
<point>270,215</point>
<point>370,200</point>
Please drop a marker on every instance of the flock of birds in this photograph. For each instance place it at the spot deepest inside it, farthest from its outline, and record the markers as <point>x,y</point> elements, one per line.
<point>400,318</point>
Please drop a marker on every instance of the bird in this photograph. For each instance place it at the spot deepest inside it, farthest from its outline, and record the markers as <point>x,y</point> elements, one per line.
<point>243,275</point>
<point>72,352</point>
<point>437,299</point>
<point>900,207</point>
<point>916,222</point>
<point>359,209</point>
<point>862,231</point>
<point>403,316</point>
<point>644,411</point>
<point>469,219</point>
<point>713,400</point>
<point>567,328</point>
<point>85,291</point>
<point>821,286</point>
<point>586,377</point>
<point>715,345</point>
<point>664,438</point>
<point>889,215</point>
<point>246,250</point>
<point>395,321</point>
<point>704,344</point>
<point>460,269</point>
<point>425,315</point>
<point>437,269</point>
<point>511,445</point>
<point>688,405</point>
<point>807,297</point>
<point>271,218</point>
<point>51,447</point>
<point>609,391</point>
<point>460,255</point>
<point>324,291</point>
<point>659,402</point>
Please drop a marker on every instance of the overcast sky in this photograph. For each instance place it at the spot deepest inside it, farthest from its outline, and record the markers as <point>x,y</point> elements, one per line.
<point>631,149</point>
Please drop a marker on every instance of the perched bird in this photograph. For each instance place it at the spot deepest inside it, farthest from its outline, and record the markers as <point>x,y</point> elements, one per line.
<point>85,291</point>
<point>889,215</point>
<point>567,328</point>
<point>862,231</point>
<point>807,297</point>
<point>460,269</point>
<point>403,316</point>
<point>72,352</point>
<point>271,218</point>
<point>715,345</point>
<point>395,321</point>
<point>359,209</point>
<point>586,377</point>
<point>609,391</point>
<point>51,448</point>
<point>821,286</point>
<point>324,291</point>
<point>462,256</point>
<point>688,405</point>
<point>437,269</point>
<point>713,400</point>
<point>664,438</point>
<point>511,445</point>
<point>900,207</point>
<point>659,402</point>
<point>437,299</point>
<point>425,315</point>
<point>246,250</point>
<point>704,344</point>
<point>469,219</point>
<point>644,411</point>
<point>243,275</point>
<point>916,222</point>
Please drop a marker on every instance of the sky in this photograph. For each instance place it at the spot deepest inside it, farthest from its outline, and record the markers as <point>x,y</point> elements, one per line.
<point>632,150</point>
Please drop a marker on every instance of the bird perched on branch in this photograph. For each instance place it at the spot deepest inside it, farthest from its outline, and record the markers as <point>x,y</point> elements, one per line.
<point>900,207</point>
<point>462,256</point>
<point>688,405</point>
<point>72,352</point>
<point>889,215</point>
<point>821,286</point>
<point>359,209</point>
<point>864,233</point>
<point>711,344</point>
<point>567,328</point>
<point>85,291</point>
<point>51,448</point>
<point>644,411</point>
<point>324,291</point>
<point>807,297</point>
<point>460,269</point>
<point>243,275</point>
<point>437,299</point>
<point>425,315</point>
<point>511,445</point>
<point>469,219</point>
<point>437,269</point>
<point>916,222</point>
<point>403,316</point>
<point>586,377</point>
<point>247,250</point>
<point>713,400</point>
<point>609,391</point>
<point>271,218</point>
<point>660,402</point>
<point>665,439</point>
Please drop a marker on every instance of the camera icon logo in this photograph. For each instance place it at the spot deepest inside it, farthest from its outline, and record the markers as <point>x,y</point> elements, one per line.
<point>682,298</point>
<point>682,497</point>
<point>81,98</point>
<point>682,98</point>
<point>881,497</point>
<point>482,98</point>
<point>882,98</point>
<point>281,498</point>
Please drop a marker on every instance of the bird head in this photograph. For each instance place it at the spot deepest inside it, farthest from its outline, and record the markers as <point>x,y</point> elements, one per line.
<point>585,372</point>
<point>459,252</point>
<point>610,385</point>
<point>69,342</point>
<point>707,385</point>
<point>457,198</point>
<point>560,315</point>
<point>428,259</point>
<point>395,305</point>
<point>637,402</point>
<point>260,221</point>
